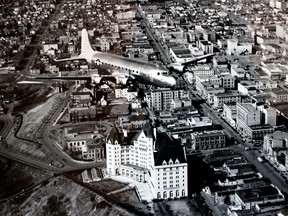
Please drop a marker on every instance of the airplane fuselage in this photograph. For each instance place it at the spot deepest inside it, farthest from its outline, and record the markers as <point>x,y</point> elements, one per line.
<point>149,72</point>
<point>126,67</point>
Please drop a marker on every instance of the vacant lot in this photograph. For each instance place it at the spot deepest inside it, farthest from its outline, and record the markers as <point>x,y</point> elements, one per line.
<point>35,117</point>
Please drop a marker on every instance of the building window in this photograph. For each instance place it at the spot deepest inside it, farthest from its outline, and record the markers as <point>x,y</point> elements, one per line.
<point>183,193</point>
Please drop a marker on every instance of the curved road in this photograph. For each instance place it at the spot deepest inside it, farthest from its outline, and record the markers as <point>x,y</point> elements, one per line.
<point>68,163</point>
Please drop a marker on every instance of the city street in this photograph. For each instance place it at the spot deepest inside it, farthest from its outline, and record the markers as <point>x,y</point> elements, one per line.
<point>151,34</point>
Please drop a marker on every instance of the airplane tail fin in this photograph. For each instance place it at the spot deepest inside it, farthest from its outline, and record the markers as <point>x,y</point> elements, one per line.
<point>86,48</point>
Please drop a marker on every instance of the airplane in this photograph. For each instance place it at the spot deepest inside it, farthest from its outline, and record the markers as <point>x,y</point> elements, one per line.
<point>180,68</point>
<point>122,68</point>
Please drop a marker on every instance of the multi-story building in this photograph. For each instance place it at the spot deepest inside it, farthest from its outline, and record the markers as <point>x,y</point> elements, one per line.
<point>207,140</point>
<point>238,71</point>
<point>227,81</point>
<point>278,139</point>
<point>236,47</point>
<point>275,71</point>
<point>209,92</point>
<point>207,33</point>
<point>222,98</point>
<point>279,96</point>
<point>169,179</point>
<point>198,70</point>
<point>80,108</point>
<point>84,147</point>
<point>129,93</point>
<point>161,99</point>
<point>265,84</point>
<point>132,122</point>
<point>160,162</point>
<point>247,115</point>
<point>206,46</point>
<point>204,82</point>
<point>257,132</point>
<point>275,146</point>
<point>247,87</point>
<point>269,115</point>
<point>230,113</point>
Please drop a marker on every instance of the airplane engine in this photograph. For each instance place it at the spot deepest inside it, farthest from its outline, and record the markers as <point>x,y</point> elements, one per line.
<point>95,78</point>
<point>176,67</point>
<point>122,80</point>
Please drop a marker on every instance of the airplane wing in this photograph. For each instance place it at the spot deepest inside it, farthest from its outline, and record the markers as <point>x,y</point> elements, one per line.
<point>62,78</point>
<point>69,59</point>
<point>199,59</point>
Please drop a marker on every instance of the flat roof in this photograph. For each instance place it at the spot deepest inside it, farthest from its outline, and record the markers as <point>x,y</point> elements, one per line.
<point>258,127</point>
<point>247,106</point>
<point>208,133</point>
<point>227,94</point>
<point>280,92</point>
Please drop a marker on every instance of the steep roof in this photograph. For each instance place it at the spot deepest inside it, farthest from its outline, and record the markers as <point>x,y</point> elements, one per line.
<point>168,148</point>
<point>118,135</point>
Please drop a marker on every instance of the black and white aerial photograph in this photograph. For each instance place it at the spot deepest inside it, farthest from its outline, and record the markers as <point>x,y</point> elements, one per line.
<point>144,107</point>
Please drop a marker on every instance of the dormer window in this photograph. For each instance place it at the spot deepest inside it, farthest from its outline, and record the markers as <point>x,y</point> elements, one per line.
<point>164,163</point>
<point>170,162</point>
<point>176,161</point>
